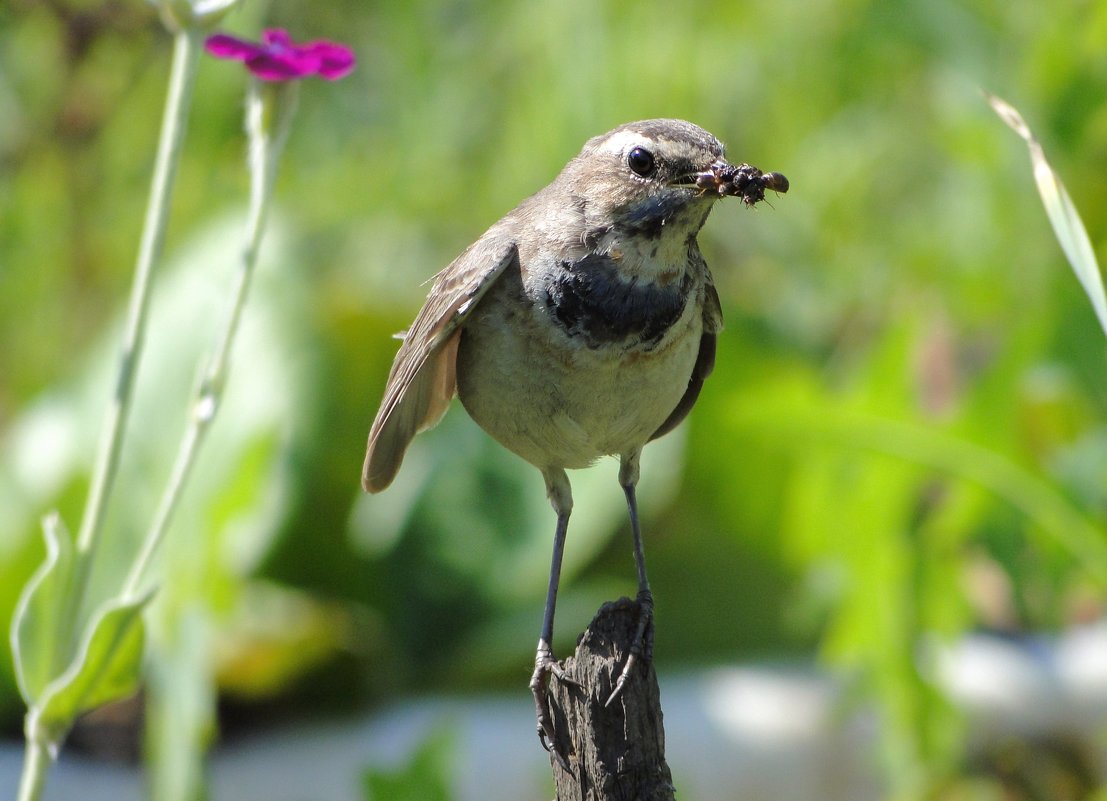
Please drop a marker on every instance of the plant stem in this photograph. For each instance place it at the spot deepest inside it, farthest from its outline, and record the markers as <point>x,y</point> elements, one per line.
<point>186,52</point>
<point>36,761</point>
<point>264,152</point>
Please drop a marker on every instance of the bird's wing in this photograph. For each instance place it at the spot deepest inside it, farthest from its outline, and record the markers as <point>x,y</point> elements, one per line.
<point>705,360</point>
<point>423,379</point>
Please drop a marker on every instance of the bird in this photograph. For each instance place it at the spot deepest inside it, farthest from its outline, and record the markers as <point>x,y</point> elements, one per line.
<point>582,324</point>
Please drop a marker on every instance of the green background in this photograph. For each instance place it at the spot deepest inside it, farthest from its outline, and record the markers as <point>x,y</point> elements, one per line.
<point>904,437</point>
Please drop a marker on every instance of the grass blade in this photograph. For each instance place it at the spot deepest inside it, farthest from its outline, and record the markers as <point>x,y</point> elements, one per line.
<point>1062,213</point>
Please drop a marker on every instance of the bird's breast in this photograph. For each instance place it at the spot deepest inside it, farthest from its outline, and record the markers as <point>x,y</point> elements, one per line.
<point>590,300</point>
<point>588,365</point>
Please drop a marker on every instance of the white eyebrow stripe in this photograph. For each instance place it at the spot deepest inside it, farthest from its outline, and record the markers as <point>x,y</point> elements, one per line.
<point>623,140</point>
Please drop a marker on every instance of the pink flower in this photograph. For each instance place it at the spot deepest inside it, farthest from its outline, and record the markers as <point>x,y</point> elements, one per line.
<point>277,58</point>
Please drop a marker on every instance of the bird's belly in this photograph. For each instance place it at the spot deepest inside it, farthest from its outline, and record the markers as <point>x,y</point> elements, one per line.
<point>557,403</point>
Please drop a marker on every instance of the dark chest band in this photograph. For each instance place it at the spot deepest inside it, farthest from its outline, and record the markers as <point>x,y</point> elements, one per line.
<point>589,300</point>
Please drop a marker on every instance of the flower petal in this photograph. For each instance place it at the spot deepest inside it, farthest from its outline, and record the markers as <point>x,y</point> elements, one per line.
<point>221,45</point>
<point>277,37</point>
<point>271,66</point>
<point>278,58</point>
<point>335,60</point>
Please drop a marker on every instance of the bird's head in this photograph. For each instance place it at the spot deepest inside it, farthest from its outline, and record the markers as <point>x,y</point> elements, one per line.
<point>659,176</point>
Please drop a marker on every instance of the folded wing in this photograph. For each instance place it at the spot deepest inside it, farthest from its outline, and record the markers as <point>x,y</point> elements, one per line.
<point>423,380</point>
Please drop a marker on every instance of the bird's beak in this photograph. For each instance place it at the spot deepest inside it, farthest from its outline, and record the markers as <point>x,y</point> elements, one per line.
<point>744,181</point>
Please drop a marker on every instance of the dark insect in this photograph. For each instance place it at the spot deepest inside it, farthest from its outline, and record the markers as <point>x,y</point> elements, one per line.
<point>775,181</point>
<point>748,183</point>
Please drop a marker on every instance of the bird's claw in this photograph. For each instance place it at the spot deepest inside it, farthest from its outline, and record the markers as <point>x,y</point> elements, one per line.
<point>544,666</point>
<point>641,646</point>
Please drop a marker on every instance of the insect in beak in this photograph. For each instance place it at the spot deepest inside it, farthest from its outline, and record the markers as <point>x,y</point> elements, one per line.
<point>744,181</point>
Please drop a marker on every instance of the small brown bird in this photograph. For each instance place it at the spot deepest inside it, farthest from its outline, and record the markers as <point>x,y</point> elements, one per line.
<point>580,325</point>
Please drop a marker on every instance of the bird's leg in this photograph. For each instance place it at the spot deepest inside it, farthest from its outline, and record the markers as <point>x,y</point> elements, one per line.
<point>641,646</point>
<point>561,497</point>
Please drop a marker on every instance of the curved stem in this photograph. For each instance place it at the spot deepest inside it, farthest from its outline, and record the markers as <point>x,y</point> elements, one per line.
<point>264,152</point>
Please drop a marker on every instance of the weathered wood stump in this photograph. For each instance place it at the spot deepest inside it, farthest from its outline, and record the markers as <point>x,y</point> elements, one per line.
<point>616,752</point>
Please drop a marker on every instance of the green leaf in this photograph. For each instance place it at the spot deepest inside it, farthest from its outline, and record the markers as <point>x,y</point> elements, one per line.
<point>37,635</point>
<point>1062,213</point>
<point>426,777</point>
<point>103,667</point>
<point>799,427</point>
<point>106,668</point>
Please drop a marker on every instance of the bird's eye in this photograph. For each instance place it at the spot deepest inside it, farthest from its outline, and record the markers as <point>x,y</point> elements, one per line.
<point>640,161</point>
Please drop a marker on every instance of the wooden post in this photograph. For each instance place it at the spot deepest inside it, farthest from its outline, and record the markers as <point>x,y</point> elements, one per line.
<point>614,753</point>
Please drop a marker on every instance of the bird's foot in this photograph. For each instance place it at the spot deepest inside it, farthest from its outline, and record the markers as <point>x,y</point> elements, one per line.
<point>546,665</point>
<point>642,645</point>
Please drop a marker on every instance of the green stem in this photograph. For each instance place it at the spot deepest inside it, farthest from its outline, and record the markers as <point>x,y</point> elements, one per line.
<point>36,761</point>
<point>264,152</point>
<point>186,52</point>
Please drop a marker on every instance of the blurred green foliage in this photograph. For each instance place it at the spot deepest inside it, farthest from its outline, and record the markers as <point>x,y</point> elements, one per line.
<point>911,388</point>
<point>426,776</point>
